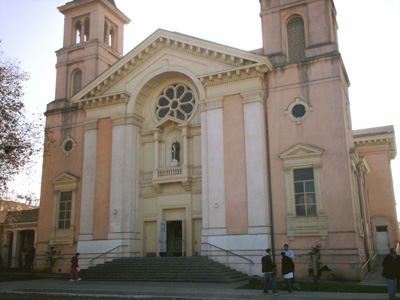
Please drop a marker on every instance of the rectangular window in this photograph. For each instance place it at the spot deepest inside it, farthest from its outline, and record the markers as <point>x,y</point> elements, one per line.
<point>64,215</point>
<point>304,192</point>
<point>381,229</point>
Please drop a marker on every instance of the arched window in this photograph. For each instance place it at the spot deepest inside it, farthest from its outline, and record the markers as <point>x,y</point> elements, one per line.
<point>296,39</point>
<point>76,82</point>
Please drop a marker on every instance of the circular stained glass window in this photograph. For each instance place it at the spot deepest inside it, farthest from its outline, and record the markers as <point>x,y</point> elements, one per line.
<point>177,101</point>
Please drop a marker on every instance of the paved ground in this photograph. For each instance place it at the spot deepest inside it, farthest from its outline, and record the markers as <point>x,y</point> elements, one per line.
<point>63,289</point>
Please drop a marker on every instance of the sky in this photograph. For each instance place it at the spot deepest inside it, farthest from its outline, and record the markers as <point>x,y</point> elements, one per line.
<point>369,41</point>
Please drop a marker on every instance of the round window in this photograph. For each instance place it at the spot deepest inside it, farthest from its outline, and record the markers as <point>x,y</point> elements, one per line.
<point>298,111</point>
<point>177,101</point>
<point>68,146</point>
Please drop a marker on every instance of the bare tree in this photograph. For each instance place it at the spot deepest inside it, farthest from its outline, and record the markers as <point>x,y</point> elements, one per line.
<point>20,134</point>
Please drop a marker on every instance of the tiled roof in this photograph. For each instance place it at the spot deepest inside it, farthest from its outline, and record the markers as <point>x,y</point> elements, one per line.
<point>12,212</point>
<point>23,216</point>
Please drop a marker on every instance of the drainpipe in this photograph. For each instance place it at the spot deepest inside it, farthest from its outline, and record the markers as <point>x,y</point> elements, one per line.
<point>271,215</point>
<point>363,217</point>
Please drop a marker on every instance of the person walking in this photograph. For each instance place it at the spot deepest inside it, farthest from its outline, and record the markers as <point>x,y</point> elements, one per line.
<point>74,267</point>
<point>287,271</point>
<point>289,253</point>
<point>389,272</point>
<point>24,255</point>
<point>268,268</point>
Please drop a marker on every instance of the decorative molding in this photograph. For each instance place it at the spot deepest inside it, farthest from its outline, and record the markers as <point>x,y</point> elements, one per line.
<point>241,73</point>
<point>306,226</point>
<point>63,183</point>
<point>131,119</point>
<point>289,111</point>
<point>134,61</point>
<point>90,125</point>
<point>304,156</point>
<point>213,103</point>
<point>97,101</point>
<point>251,97</point>
<point>64,143</point>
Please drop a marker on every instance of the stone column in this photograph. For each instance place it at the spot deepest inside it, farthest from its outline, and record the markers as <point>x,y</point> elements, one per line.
<point>256,165</point>
<point>204,172</point>
<point>15,250</point>
<point>213,167</point>
<point>117,176</point>
<point>156,133</point>
<point>88,182</point>
<point>130,225</point>
<point>82,37</point>
<point>124,181</point>
<point>185,133</point>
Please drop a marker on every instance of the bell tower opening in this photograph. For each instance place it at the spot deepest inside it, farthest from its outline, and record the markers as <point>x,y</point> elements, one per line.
<point>294,31</point>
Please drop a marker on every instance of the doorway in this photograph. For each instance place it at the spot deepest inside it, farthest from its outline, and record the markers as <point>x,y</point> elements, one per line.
<point>174,238</point>
<point>382,239</point>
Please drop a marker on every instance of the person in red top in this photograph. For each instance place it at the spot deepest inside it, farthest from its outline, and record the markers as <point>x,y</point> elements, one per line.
<point>74,267</point>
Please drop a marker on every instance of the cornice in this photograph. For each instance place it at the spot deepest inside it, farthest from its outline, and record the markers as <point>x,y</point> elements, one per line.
<point>379,140</point>
<point>240,73</point>
<point>110,99</point>
<point>137,57</point>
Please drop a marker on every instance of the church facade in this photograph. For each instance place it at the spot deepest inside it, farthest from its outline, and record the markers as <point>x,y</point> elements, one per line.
<point>186,147</point>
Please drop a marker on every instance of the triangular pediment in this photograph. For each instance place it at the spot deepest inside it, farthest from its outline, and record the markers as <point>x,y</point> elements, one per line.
<point>230,62</point>
<point>65,178</point>
<point>165,122</point>
<point>301,150</point>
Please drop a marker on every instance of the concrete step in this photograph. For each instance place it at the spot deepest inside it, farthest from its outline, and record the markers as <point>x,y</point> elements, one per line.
<point>178,269</point>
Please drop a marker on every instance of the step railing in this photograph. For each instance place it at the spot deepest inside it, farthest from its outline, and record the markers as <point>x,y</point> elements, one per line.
<point>230,252</point>
<point>105,253</point>
<point>369,260</point>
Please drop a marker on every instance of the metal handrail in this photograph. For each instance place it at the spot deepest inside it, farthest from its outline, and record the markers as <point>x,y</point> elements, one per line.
<point>370,259</point>
<point>107,252</point>
<point>229,252</point>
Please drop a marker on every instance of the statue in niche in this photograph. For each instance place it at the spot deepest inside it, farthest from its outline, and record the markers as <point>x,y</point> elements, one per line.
<point>175,153</point>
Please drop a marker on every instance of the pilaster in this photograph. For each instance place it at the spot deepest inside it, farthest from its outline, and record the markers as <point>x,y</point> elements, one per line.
<point>255,141</point>
<point>88,182</point>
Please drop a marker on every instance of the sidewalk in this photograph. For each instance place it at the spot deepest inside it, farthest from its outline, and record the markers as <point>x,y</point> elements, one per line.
<point>161,290</point>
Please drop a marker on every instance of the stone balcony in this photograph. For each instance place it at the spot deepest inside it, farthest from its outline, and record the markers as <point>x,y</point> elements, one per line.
<point>170,175</point>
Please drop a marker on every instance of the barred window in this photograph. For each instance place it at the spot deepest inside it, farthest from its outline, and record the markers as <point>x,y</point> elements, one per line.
<point>296,39</point>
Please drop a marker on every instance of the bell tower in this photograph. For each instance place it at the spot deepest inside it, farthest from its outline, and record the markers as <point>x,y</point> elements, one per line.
<point>294,30</point>
<point>93,41</point>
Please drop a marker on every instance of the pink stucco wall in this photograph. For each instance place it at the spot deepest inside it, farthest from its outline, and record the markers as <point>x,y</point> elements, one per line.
<point>103,179</point>
<point>235,165</point>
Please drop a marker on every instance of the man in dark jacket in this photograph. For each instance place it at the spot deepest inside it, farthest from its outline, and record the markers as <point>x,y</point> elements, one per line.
<point>287,271</point>
<point>268,268</point>
<point>389,272</point>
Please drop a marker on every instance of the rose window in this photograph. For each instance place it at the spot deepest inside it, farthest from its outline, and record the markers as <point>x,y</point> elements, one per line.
<point>176,101</point>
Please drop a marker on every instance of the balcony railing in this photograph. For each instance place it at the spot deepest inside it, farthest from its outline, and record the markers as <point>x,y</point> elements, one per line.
<point>172,174</point>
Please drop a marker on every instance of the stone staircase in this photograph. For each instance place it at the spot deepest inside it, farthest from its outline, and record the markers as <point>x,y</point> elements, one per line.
<point>172,269</point>
<point>374,277</point>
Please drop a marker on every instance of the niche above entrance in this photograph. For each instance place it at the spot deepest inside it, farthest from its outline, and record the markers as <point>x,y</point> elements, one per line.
<point>171,153</point>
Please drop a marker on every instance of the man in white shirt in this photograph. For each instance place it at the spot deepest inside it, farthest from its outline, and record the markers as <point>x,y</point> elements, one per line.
<point>289,253</point>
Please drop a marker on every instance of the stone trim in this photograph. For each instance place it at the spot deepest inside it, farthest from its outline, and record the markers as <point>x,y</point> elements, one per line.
<point>304,156</point>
